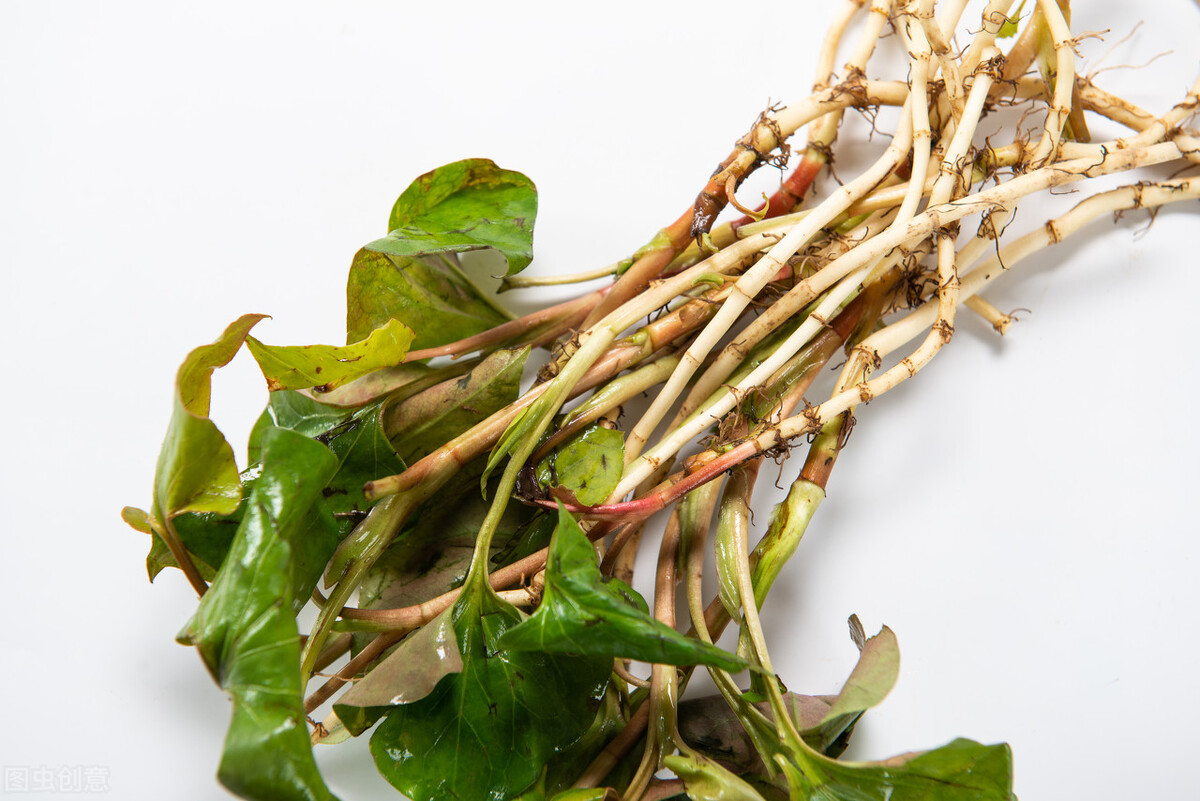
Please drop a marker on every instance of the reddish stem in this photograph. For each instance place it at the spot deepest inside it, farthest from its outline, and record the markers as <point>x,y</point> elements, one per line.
<point>790,193</point>
<point>558,319</point>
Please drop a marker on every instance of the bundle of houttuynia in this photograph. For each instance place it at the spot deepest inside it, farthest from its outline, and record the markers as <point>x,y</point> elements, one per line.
<point>469,541</point>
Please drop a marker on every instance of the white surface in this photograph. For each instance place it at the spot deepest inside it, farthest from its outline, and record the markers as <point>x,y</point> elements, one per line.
<point>1020,515</point>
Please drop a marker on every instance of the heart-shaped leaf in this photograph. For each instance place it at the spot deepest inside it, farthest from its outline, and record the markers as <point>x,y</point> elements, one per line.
<point>245,627</point>
<point>488,731</point>
<point>582,613</point>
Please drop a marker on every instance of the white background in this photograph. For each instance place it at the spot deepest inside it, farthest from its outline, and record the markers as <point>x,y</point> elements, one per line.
<point>1021,515</point>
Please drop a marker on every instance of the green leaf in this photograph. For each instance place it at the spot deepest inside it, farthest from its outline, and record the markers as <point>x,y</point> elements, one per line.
<point>136,519</point>
<point>196,469</point>
<point>582,613</point>
<point>413,274</point>
<point>208,535</point>
<point>962,770</point>
<point>426,421</point>
<point>408,674</point>
<point>433,556</point>
<point>587,794</point>
<point>429,294</point>
<point>1009,26</point>
<point>245,628</point>
<point>328,366</point>
<point>160,556</point>
<point>707,781</point>
<point>467,205</point>
<point>588,465</point>
<point>565,768</point>
<point>531,537</point>
<point>355,437</point>
<point>487,732</point>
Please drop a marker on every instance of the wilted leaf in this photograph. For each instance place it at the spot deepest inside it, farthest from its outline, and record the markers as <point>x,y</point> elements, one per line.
<point>433,556</point>
<point>376,385</point>
<point>872,678</point>
<point>429,419</point>
<point>711,727</point>
<point>789,521</point>
<point>408,674</point>
<point>524,427</point>
<point>708,781</point>
<point>329,366</point>
<point>196,469</point>
<point>825,722</point>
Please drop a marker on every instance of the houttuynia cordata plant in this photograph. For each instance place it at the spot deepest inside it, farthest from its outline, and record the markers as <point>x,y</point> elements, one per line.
<point>468,540</point>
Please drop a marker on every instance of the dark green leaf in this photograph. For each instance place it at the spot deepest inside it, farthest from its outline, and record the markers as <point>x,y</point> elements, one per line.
<point>582,613</point>
<point>429,294</point>
<point>963,770</point>
<point>466,205</point>
<point>432,557</point>
<point>408,674</point>
<point>160,556</point>
<point>355,437</point>
<point>329,366</point>
<point>487,732</point>
<point>208,535</point>
<point>245,628</point>
<point>588,465</point>
<point>530,538</point>
<point>430,419</point>
<point>566,767</point>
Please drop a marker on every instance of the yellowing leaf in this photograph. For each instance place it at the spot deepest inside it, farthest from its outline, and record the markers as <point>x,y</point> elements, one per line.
<point>196,469</point>
<point>329,366</point>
